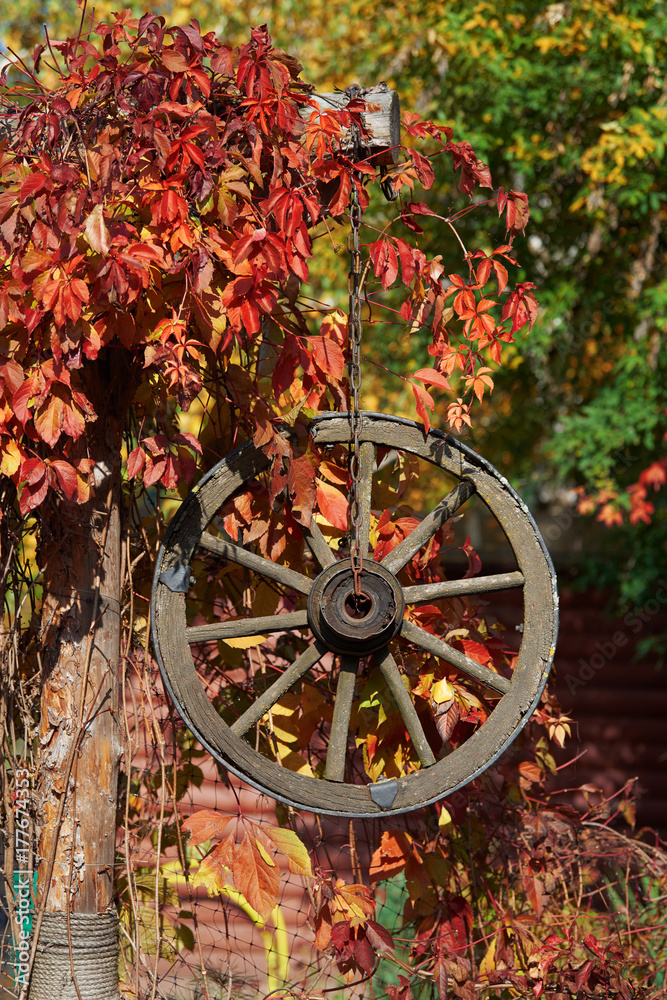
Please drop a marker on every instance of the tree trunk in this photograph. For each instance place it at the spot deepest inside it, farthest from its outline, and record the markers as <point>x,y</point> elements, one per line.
<point>79,728</point>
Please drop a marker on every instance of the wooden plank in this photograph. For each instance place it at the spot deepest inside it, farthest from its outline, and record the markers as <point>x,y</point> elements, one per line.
<point>384,123</point>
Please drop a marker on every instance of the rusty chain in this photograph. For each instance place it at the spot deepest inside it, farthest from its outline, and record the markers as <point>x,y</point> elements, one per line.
<point>354,366</point>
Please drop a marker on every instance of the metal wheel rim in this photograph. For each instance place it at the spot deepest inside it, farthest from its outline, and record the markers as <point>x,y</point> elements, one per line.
<point>168,622</point>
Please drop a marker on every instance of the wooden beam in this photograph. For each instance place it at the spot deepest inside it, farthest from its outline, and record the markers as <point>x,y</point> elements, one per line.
<point>384,124</point>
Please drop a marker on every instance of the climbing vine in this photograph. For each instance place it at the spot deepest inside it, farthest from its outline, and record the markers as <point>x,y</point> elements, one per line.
<point>161,202</point>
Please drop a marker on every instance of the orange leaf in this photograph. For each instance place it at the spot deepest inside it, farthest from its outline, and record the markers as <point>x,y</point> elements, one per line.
<point>423,399</point>
<point>258,881</point>
<point>334,473</point>
<point>328,356</point>
<point>432,377</point>
<point>216,868</point>
<point>332,504</point>
<point>205,824</point>
<point>49,420</point>
<point>391,856</point>
<point>334,327</point>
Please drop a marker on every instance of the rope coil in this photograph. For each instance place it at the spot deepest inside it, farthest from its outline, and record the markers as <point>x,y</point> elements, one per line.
<point>94,941</point>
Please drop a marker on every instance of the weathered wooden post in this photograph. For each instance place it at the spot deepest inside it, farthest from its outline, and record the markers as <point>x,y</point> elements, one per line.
<point>384,123</point>
<point>76,786</point>
<point>75,934</point>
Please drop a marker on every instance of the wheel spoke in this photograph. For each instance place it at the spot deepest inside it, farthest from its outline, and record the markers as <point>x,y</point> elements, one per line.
<point>401,696</point>
<point>317,544</point>
<point>459,588</point>
<point>366,463</point>
<point>241,627</point>
<point>438,647</point>
<point>340,724</point>
<point>410,546</point>
<point>258,564</point>
<point>259,708</point>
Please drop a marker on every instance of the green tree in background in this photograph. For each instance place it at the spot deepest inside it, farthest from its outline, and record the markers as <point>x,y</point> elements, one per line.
<point>568,102</point>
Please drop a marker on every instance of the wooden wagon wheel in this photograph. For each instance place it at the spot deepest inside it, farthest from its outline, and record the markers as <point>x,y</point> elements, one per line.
<point>340,637</point>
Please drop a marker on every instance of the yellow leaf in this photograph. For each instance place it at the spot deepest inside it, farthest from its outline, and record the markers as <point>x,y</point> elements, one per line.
<point>295,762</point>
<point>444,819</point>
<point>265,854</point>
<point>291,846</point>
<point>245,641</point>
<point>442,691</point>
<point>11,457</point>
<point>488,963</point>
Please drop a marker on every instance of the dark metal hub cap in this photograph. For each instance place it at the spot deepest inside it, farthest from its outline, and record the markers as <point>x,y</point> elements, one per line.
<point>348,623</point>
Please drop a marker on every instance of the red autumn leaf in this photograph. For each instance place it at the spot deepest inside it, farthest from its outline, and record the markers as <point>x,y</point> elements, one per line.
<point>583,973</point>
<point>422,167</point>
<point>328,356</point>
<point>517,211</point>
<point>446,717</point>
<point>406,256</point>
<point>33,183</point>
<point>184,437</point>
<point>154,470</point>
<point>380,938</point>
<point>533,885</point>
<point>476,651</point>
<point>342,938</point>
<point>441,978</point>
<point>332,504</point>
<point>400,992</point>
<point>385,261</point>
<point>174,60</point>
<point>654,475</point>
<point>419,208</point>
<point>334,326</point>
<point>170,472</point>
<point>66,475</point>
<point>592,942</point>
<point>502,276</point>
<point>74,417</point>
<point>136,461</point>
<point>364,955</point>
<point>204,825</point>
<point>301,487</point>
<point>34,473</point>
<point>431,376</point>
<point>334,473</point>
<point>423,400</point>
<point>521,306</point>
<point>529,773</point>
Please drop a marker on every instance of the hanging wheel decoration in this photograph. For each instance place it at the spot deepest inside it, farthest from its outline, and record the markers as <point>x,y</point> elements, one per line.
<point>345,644</point>
<point>329,673</point>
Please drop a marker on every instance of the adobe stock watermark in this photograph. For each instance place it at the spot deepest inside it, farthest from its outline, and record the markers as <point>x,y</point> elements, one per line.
<point>634,622</point>
<point>24,878</point>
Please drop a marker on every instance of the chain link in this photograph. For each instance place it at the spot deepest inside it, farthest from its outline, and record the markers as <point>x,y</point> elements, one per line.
<point>354,367</point>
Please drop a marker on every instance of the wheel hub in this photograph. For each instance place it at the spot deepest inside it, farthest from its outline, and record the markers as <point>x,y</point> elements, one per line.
<point>351,624</point>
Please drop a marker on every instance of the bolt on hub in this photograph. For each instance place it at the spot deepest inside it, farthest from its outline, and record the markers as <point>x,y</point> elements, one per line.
<point>356,623</point>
